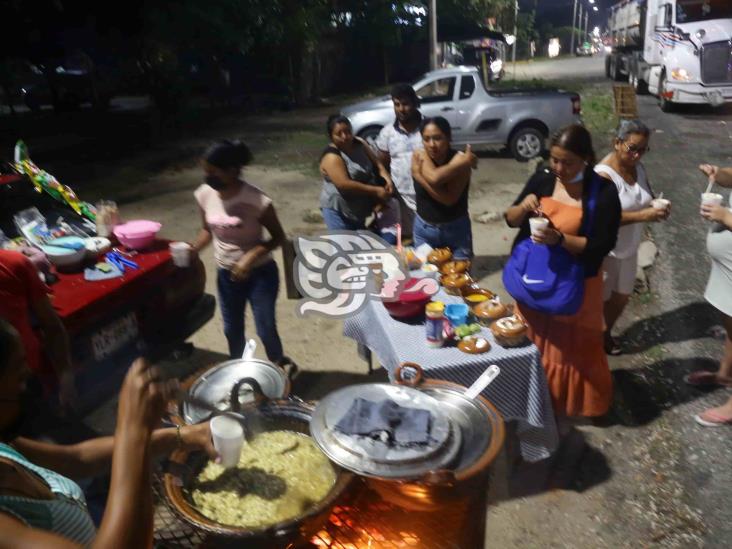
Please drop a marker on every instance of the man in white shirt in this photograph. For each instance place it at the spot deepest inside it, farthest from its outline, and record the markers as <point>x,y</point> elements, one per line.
<point>396,143</point>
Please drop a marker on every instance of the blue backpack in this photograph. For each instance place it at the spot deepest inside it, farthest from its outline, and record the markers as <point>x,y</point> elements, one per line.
<point>549,279</point>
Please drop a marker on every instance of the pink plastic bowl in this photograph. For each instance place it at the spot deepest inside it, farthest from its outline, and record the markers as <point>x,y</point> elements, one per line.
<point>138,235</point>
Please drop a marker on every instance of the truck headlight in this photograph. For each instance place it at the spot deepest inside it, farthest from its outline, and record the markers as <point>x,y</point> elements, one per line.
<point>681,75</point>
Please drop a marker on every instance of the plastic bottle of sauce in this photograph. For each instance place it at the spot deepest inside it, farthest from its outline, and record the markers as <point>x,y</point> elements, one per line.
<point>434,324</point>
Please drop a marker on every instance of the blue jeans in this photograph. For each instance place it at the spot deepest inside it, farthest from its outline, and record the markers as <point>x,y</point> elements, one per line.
<point>260,288</point>
<point>335,221</point>
<point>456,235</point>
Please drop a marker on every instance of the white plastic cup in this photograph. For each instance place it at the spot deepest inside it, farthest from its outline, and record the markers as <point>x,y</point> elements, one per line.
<point>228,439</point>
<point>660,203</point>
<point>711,199</point>
<point>538,224</point>
<point>181,254</point>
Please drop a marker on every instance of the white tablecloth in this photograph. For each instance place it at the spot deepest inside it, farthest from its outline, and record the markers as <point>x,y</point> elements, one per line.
<point>520,392</point>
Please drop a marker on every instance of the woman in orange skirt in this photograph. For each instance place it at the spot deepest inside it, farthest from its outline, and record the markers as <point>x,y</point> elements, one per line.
<point>572,346</point>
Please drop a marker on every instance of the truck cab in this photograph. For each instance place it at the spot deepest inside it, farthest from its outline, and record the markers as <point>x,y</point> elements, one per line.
<point>679,50</point>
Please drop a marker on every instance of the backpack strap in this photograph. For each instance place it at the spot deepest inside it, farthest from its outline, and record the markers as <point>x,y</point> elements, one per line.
<point>587,224</point>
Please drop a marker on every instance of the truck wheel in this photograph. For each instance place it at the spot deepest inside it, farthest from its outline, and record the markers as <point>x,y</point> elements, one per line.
<point>369,134</point>
<point>615,70</point>
<point>526,143</point>
<point>640,86</point>
<point>665,104</point>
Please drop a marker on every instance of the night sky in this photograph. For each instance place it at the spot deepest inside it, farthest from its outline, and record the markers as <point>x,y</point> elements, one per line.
<point>559,12</point>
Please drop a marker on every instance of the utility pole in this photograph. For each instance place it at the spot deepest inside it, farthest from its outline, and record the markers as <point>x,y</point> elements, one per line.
<point>433,34</point>
<point>574,18</point>
<point>515,36</point>
<point>587,25</point>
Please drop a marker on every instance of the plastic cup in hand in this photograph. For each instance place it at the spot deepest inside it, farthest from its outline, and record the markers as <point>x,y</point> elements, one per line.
<point>538,224</point>
<point>181,254</point>
<point>660,203</point>
<point>228,438</point>
<point>711,199</point>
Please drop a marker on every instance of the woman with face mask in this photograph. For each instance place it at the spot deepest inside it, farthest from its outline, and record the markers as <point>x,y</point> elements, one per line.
<point>572,345</point>
<point>441,184</point>
<point>40,504</point>
<point>624,168</point>
<point>234,215</point>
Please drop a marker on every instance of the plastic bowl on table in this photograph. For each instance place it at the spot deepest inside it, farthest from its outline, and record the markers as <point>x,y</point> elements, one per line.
<point>138,234</point>
<point>457,313</point>
<point>408,303</point>
<point>67,252</point>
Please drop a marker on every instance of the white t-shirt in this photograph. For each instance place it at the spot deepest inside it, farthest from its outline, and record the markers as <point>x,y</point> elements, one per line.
<point>633,197</point>
<point>235,222</point>
<point>400,146</point>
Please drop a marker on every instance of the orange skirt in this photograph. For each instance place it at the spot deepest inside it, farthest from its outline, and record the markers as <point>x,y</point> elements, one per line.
<point>573,355</point>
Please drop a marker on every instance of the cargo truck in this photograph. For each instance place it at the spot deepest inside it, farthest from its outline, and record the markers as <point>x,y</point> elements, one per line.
<point>678,50</point>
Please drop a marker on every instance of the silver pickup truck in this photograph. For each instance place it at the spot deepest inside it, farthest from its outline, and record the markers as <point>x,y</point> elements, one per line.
<point>519,119</point>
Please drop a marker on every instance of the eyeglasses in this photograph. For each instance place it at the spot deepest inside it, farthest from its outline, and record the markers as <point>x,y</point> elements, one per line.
<point>634,150</point>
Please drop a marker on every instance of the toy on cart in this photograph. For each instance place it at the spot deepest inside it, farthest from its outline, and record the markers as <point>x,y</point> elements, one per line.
<point>45,182</point>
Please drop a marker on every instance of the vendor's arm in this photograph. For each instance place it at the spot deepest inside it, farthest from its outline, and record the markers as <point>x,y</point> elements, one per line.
<point>457,170</point>
<point>334,167</point>
<point>721,176</point>
<point>247,262</point>
<point>94,457</point>
<point>526,203</point>
<point>204,237</point>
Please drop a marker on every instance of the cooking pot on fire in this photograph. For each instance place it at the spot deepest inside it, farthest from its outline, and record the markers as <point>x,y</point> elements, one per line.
<point>262,415</point>
<point>466,436</point>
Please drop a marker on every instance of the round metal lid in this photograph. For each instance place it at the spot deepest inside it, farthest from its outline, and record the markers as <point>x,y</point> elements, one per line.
<point>215,386</point>
<point>375,458</point>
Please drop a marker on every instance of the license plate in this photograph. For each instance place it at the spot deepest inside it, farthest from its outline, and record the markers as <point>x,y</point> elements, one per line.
<point>114,336</point>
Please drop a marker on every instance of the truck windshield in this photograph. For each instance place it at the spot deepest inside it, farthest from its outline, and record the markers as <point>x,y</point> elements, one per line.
<point>690,11</point>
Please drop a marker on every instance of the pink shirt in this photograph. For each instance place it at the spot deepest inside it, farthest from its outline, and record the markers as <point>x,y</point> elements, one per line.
<point>234,222</point>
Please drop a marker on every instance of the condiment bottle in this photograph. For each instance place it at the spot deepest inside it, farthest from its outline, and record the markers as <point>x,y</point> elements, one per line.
<point>434,324</point>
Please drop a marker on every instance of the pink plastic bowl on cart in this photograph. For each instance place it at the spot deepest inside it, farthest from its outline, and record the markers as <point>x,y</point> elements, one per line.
<point>138,234</point>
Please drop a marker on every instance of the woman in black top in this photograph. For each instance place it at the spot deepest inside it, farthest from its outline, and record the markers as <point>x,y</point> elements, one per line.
<point>441,184</point>
<point>572,346</point>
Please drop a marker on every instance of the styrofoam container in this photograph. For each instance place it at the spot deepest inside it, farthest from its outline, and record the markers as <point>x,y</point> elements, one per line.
<point>97,245</point>
<point>138,234</point>
<point>65,257</point>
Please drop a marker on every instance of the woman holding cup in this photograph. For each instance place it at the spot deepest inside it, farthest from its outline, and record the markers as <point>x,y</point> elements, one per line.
<point>571,345</point>
<point>718,292</point>
<point>624,168</point>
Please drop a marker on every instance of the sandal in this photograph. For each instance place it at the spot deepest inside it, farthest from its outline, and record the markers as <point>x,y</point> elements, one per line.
<point>613,346</point>
<point>704,378</point>
<point>710,418</point>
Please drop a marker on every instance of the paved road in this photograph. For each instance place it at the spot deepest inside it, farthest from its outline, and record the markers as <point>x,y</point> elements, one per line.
<point>682,141</point>
<point>589,68</point>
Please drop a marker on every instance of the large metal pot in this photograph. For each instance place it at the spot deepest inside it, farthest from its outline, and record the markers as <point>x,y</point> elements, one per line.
<point>429,482</point>
<point>267,415</point>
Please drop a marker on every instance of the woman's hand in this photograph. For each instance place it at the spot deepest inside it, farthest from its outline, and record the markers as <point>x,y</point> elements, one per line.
<point>549,236</point>
<point>383,194</point>
<point>530,203</point>
<point>470,157</point>
<point>143,396</point>
<point>656,214</point>
<point>710,171</point>
<point>718,213</point>
<point>242,268</point>
<point>198,437</point>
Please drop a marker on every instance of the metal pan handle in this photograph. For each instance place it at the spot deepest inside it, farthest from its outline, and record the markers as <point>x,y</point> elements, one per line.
<point>259,395</point>
<point>410,381</point>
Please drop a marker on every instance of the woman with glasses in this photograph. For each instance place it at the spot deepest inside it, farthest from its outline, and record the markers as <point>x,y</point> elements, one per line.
<point>623,167</point>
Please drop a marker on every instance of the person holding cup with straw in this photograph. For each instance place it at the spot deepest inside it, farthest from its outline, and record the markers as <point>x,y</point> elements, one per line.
<point>624,168</point>
<point>718,291</point>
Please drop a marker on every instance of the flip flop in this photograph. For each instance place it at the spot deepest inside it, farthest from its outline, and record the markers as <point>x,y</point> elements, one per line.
<point>710,418</point>
<point>704,378</point>
<point>613,346</point>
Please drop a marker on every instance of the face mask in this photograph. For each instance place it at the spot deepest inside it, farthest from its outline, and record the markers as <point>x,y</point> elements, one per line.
<point>579,177</point>
<point>214,182</point>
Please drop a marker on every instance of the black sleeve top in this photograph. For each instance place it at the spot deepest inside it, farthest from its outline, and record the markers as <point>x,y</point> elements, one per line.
<point>604,230</point>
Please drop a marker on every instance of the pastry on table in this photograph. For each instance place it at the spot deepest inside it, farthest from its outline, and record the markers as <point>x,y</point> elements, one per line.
<point>455,267</point>
<point>454,283</point>
<point>438,256</point>
<point>510,331</point>
<point>473,296</point>
<point>474,345</point>
<point>490,311</point>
